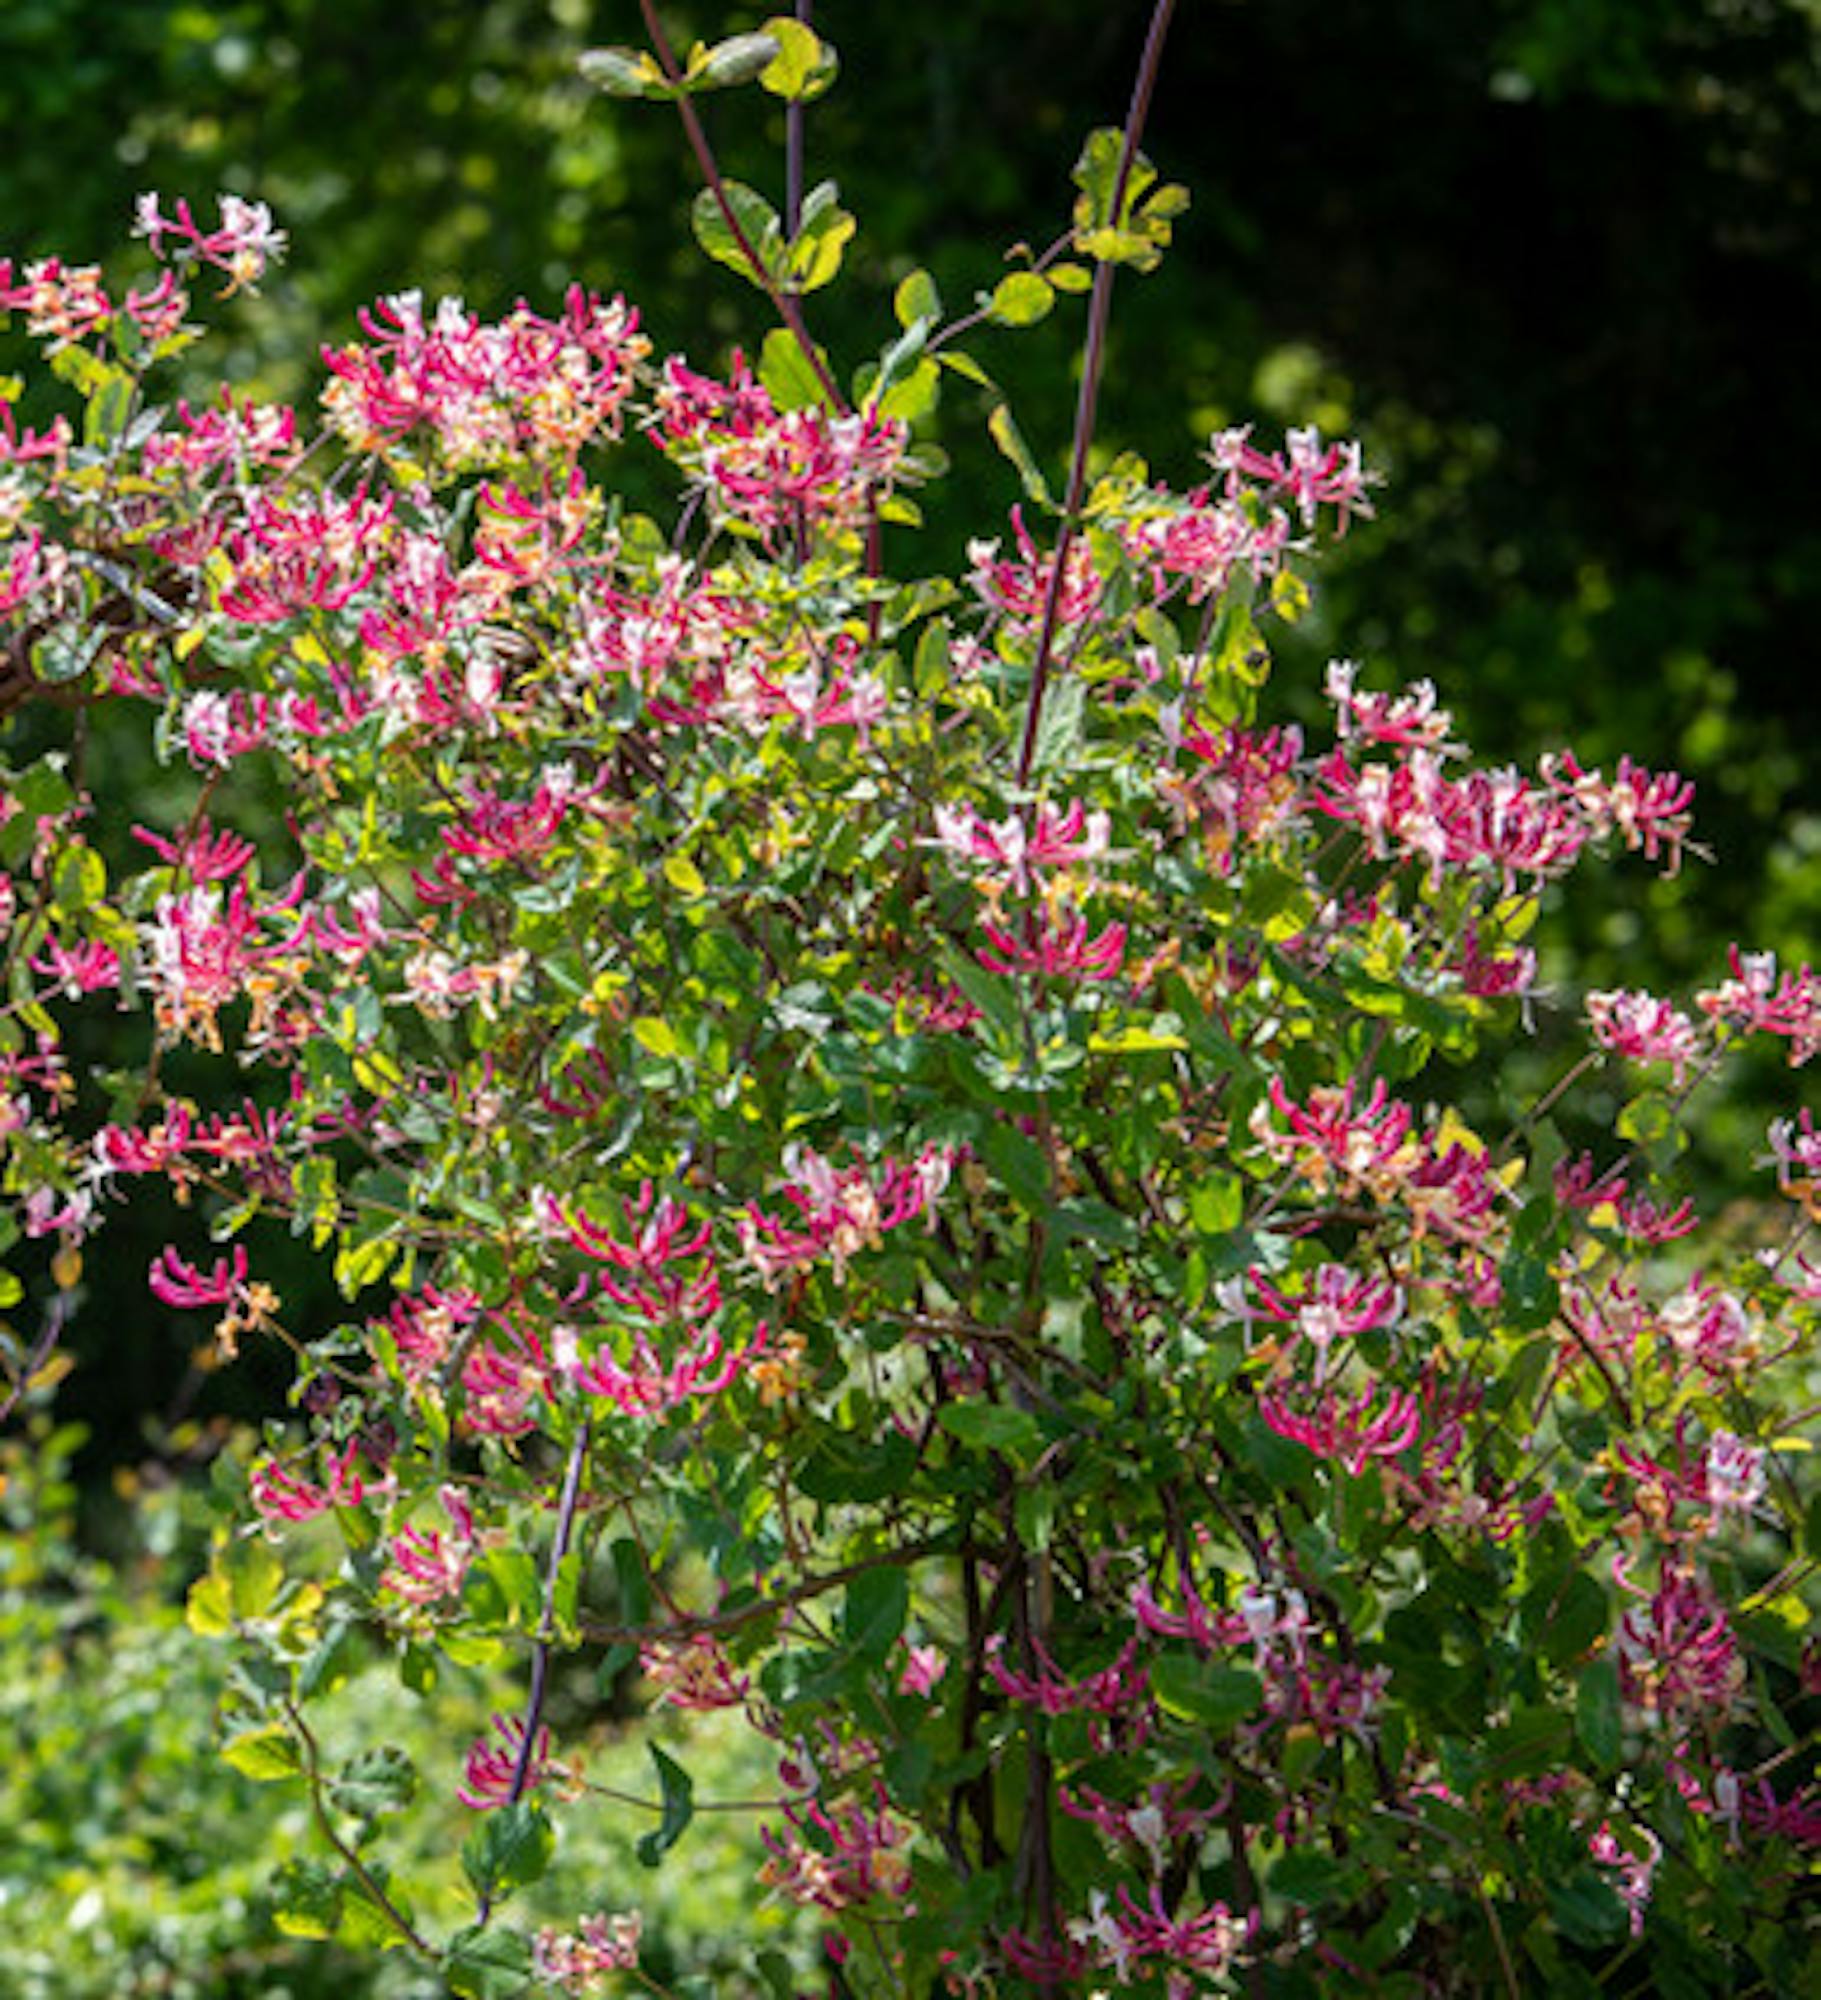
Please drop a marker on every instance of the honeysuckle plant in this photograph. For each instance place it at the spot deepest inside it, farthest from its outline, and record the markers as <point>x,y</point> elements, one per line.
<point>901,1156</point>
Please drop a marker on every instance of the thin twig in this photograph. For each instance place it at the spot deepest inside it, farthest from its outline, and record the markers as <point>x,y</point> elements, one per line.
<point>782,303</point>
<point>1100,308</point>
<point>540,1651</point>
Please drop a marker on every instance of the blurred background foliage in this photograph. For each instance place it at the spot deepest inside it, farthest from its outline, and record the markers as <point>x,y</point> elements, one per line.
<point>1558,262</point>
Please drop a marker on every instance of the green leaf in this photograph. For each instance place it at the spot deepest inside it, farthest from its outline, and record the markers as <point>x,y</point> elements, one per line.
<point>623,73</point>
<point>775,1969</point>
<point>679,871</point>
<point>656,1037</point>
<point>1534,1740</point>
<point>1005,433</point>
<point>1021,299</point>
<point>679,1809</point>
<point>917,301</point>
<point>874,1610</point>
<point>1310,1879</point>
<point>756,218</point>
<point>1217,1205</point>
<point>375,1782</point>
<point>1586,1908</point>
<point>508,1848</point>
<point>490,1964</point>
<point>992,1427</point>
<point>265,1755</point>
<point>209,1608</point>
<point>913,397</point>
<point>1138,234</point>
<point>256,1574</point>
<point>109,409</point>
<point>306,1899</point>
<point>1597,1713</point>
<point>1576,1620</point>
<point>1135,1038</point>
<point>804,66</point>
<point>1218,1698</point>
<point>824,231</point>
<point>737,60</point>
<point>785,371</point>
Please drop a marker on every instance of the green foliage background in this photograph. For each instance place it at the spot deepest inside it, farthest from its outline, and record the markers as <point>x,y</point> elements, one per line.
<point>1557,261</point>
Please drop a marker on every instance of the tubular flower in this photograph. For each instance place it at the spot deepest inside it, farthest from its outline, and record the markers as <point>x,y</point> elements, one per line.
<point>1352,1434</point>
<point>503,1766</point>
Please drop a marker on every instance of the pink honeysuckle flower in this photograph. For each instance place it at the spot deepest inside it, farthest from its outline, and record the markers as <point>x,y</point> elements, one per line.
<point>281,1495</point>
<point>647,1383</point>
<point>1004,852</point>
<point>496,829</point>
<point>527,387</point>
<point>1310,474</point>
<point>500,1385</point>
<point>1795,1149</point>
<point>776,470</point>
<point>1334,1304</point>
<point>26,447</point>
<point>1496,976</point>
<point>1111,1690</point>
<point>1645,1029</point>
<point>1156,1827</point>
<point>1330,1135</point>
<point>1636,1869</point>
<point>62,303</point>
<point>180,1283</point>
<point>1204,1628</point>
<point>503,1766</point>
<point>1708,1328</point>
<point>242,244</point>
<point>1236,785</point>
<point>1055,947</point>
<point>815,696</point>
<point>1408,719</point>
<point>578,1960</point>
<point>693,1673</point>
<point>425,1565</point>
<point>1017,588</point>
<point>661,1233</point>
<point>1648,809</point>
<point>835,1858</point>
<point>1678,1659</point>
<point>63,1212</point>
<point>87,966</point>
<point>201,852</point>
<point>842,1210</point>
<point>1500,822</point>
<point>1726,1475</point>
<point>1351,1434</point>
<point>1755,1000</point>
<point>924,1667</point>
<point>30,568</point>
<point>425,1327</point>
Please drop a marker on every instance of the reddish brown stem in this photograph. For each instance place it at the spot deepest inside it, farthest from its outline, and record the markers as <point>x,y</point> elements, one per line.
<point>1100,306</point>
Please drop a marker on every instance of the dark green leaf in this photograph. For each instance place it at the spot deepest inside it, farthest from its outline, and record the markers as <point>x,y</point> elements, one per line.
<point>757,220</point>
<point>1217,1698</point>
<point>491,1964</point>
<point>306,1899</point>
<point>623,73</point>
<point>679,1809</point>
<point>991,1427</point>
<point>737,60</point>
<point>508,1848</point>
<point>377,1781</point>
<point>1596,1712</point>
<point>874,1610</point>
